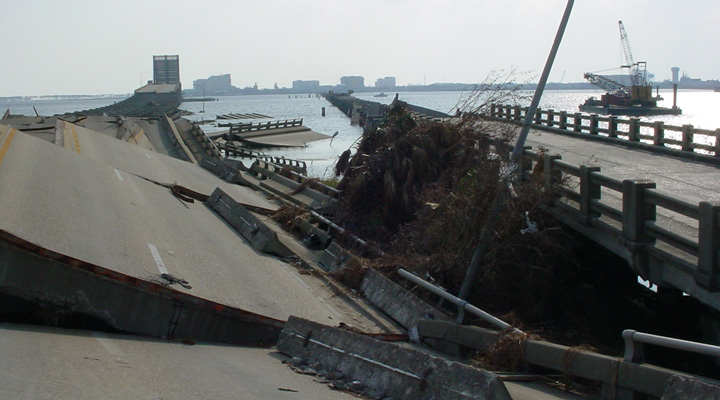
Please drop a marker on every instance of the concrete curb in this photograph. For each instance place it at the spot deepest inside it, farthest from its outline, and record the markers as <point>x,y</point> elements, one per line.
<point>249,226</point>
<point>178,142</point>
<point>386,370</point>
<point>401,305</point>
<point>224,169</point>
<point>619,379</point>
<point>334,257</point>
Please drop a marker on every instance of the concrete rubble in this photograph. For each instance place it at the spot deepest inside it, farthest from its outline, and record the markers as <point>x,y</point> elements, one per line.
<point>382,370</point>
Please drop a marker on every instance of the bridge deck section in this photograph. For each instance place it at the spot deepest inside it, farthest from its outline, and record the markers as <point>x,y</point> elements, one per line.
<point>93,201</point>
<point>681,180</point>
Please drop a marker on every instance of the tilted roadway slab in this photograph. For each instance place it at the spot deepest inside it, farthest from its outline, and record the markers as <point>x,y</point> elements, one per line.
<point>129,158</point>
<point>51,363</point>
<point>75,203</point>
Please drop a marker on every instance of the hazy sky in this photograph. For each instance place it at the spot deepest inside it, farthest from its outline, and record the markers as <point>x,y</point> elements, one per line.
<point>103,46</point>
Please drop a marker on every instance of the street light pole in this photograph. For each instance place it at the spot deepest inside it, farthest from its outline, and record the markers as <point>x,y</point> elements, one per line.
<point>502,190</point>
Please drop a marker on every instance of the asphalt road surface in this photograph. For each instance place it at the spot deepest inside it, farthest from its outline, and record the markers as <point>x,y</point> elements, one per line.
<point>49,363</point>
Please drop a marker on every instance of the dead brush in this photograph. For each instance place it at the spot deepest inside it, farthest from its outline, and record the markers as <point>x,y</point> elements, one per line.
<point>290,216</point>
<point>507,354</point>
<point>421,191</point>
<point>352,274</point>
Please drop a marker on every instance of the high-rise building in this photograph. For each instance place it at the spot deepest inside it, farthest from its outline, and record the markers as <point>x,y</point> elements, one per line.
<point>308,86</point>
<point>166,70</point>
<point>218,84</point>
<point>386,82</point>
<point>353,82</point>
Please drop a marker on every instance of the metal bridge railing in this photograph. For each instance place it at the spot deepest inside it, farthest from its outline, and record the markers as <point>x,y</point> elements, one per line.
<point>702,144</point>
<point>634,348</point>
<point>461,304</point>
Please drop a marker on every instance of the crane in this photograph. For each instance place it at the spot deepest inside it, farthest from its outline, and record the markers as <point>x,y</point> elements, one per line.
<point>638,70</point>
<point>635,98</point>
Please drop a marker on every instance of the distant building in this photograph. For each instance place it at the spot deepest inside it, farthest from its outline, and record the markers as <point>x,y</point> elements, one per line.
<point>353,82</point>
<point>166,70</point>
<point>387,82</point>
<point>306,86</point>
<point>675,74</point>
<point>214,85</point>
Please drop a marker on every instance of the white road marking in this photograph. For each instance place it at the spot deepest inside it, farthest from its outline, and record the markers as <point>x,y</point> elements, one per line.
<point>158,259</point>
<point>148,156</point>
<point>117,173</point>
<point>108,344</point>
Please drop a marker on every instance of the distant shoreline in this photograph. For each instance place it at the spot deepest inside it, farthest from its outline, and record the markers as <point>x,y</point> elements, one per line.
<point>435,87</point>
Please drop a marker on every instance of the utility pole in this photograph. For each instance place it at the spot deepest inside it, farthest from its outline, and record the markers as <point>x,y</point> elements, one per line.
<point>502,191</point>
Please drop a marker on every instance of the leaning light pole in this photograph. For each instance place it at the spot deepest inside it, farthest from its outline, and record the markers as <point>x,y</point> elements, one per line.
<point>502,191</point>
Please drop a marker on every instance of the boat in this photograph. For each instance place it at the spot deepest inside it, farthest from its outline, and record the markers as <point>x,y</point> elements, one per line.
<point>635,99</point>
<point>382,94</point>
<point>605,106</point>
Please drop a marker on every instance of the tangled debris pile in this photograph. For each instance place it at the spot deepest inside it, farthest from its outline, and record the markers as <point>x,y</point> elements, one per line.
<point>421,191</point>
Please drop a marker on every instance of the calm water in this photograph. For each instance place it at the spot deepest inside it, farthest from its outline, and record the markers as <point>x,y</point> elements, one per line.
<point>700,108</point>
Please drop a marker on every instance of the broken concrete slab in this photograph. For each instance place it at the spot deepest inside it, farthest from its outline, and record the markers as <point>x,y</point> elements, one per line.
<point>75,287</point>
<point>386,370</point>
<point>681,388</point>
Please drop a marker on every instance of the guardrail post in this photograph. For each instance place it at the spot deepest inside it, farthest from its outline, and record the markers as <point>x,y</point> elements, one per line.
<point>518,113</point>
<point>634,130</point>
<point>707,274</point>
<point>562,124</point>
<point>577,122</point>
<point>633,350</point>
<point>538,116</point>
<point>687,137</point>
<point>636,212</point>
<point>525,165</point>
<point>717,142</point>
<point>612,126</point>
<point>589,191</point>
<point>493,110</point>
<point>659,133</point>
<point>593,124</point>
<point>550,118</point>
<point>551,177</point>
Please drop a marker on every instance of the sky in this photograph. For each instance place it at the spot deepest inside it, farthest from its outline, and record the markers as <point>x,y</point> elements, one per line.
<point>105,47</point>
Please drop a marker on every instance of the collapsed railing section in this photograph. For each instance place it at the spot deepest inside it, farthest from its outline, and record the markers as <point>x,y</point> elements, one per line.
<point>268,167</point>
<point>703,144</point>
<point>236,129</point>
<point>461,304</point>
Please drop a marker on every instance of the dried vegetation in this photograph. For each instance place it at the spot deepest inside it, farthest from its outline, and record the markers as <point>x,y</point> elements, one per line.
<point>421,191</point>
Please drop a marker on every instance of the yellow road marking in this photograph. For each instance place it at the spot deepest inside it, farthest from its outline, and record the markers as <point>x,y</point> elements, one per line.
<point>75,138</point>
<point>66,136</point>
<point>6,145</point>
